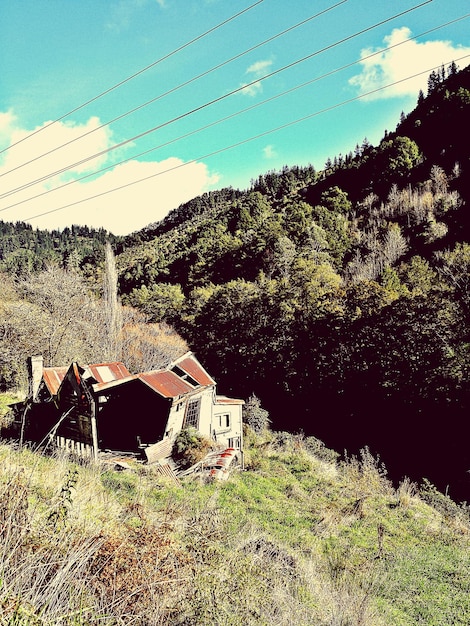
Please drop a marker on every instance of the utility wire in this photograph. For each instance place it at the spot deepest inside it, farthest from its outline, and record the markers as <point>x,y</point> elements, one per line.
<point>237,113</point>
<point>177,88</point>
<point>138,73</point>
<point>214,101</point>
<point>243,141</point>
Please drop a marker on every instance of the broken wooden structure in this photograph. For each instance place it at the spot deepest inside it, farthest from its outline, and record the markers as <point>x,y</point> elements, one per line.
<point>92,408</point>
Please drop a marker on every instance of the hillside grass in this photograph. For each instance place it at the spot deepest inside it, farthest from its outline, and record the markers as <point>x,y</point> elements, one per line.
<point>296,539</point>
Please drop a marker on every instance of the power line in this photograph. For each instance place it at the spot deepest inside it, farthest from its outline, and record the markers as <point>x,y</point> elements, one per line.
<point>174,89</point>
<point>242,142</point>
<point>237,113</point>
<point>138,73</point>
<point>214,101</point>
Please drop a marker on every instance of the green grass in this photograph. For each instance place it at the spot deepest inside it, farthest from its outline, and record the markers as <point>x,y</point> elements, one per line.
<point>294,539</point>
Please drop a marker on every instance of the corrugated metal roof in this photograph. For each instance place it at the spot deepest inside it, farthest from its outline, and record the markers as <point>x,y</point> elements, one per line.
<point>101,387</point>
<point>108,372</point>
<point>166,383</point>
<point>225,400</point>
<point>53,376</point>
<point>191,366</point>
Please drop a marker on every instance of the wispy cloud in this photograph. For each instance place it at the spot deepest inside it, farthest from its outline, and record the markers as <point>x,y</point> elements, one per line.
<point>269,152</point>
<point>122,12</point>
<point>259,68</point>
<point>406,58</point>
<point>256,70</point>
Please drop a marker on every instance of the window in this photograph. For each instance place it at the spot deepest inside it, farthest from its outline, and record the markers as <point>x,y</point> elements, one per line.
<point>223,420</point>
<point>192,413</point>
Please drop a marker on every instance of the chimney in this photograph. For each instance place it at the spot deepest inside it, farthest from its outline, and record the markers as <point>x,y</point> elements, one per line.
<point>34,364</point>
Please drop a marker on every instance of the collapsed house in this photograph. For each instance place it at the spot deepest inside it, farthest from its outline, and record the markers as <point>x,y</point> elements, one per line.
<point>94,408</point>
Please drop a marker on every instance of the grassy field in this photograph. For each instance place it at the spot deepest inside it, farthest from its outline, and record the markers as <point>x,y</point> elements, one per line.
<point>298,538</point>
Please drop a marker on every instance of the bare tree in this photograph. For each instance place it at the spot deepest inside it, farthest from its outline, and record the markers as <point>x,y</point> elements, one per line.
<point>147,346</point>
<point>112,343</point>
<point>395,245</point>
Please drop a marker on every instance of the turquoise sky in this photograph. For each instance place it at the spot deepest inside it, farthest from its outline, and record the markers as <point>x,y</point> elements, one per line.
<point>55,55</point>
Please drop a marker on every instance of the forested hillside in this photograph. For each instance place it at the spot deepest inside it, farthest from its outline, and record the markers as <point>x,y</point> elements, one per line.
<point>340,296</point>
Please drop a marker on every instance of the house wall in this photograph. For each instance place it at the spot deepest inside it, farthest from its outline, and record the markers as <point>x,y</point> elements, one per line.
<point>205,415</point>
<point>176,417</point>
<point>76,427</point>
<point>227,426</point>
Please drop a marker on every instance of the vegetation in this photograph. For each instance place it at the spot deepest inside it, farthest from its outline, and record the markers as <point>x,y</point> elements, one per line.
<point>190,447</point>
<point>53,313</point>
<point>24,249</point>
<point>341,292</point>
<point>339,297</point>
<point>294,539</point>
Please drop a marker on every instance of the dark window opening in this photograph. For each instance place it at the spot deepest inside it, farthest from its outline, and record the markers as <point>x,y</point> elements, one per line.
<point>185,376</point>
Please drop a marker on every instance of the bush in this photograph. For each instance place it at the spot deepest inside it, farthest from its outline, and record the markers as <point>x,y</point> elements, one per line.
<point>190,447</point>
<point>254,415</point>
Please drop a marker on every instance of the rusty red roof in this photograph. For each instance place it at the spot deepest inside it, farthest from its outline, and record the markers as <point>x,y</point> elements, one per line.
<point>108,372</point>
<point>225,400</point>
<point>166,383</point>
<point>191,366</point>
<point>101,387</point>
<point>53,376</point>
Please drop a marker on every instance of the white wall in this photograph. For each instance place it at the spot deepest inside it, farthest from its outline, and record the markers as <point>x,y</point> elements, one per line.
<point>227,428</point>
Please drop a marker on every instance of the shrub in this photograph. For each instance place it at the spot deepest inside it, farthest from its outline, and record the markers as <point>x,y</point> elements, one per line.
<point>254,415</point>
<point>319,450</point>
<point>190,447</point>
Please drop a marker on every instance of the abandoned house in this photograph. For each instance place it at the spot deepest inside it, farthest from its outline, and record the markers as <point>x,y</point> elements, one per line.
<point>93,408</point>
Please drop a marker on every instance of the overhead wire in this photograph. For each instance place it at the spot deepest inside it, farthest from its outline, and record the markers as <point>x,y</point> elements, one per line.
<point>138,73</point>
<point>243,141</point>
<point>213,101</point>
<point>237,113</point>
<point>176,88</point>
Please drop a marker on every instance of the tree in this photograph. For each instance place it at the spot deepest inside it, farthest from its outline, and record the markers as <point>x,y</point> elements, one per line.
<point>113,314</point>
<point>396,160</point>
<point>51,314</point>
<point>254,415</point>
<point>159,302</point>
<point>418,276</point>
<point>454,267</point>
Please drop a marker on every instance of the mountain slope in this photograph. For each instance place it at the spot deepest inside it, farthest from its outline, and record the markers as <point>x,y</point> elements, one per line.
<point>295,538</point>
<point>341,298</point>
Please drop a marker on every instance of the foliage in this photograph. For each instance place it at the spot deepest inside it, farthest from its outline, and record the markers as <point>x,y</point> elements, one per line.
<point>190,447</point>
<point>24,250</point>
<point>342,292</point>
<point>254,415</point>
<point>295,539</point>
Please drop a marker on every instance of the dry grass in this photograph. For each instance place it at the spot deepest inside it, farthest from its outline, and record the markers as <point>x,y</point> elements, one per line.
<point>292,541</point>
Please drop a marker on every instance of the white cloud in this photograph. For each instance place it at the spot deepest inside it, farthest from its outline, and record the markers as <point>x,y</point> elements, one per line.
<point>255,70</point>
<point>7,125</point>
<point>259,68</point>
<point>169,182</point>
<point>251,89</point>
<point>269,152</point>
<point>122,13</point>
<point>406,58</point>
